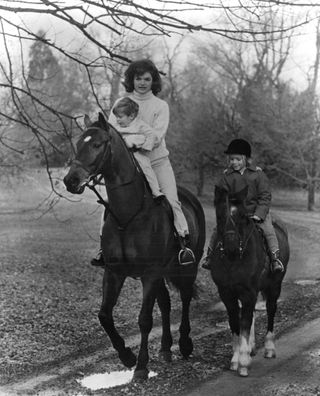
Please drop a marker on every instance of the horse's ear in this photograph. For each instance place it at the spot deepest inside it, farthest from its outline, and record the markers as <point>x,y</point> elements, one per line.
<point>102,121</point>
<point>87,121</point>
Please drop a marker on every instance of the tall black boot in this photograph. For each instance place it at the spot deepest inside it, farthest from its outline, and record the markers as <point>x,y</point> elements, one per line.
<point>98,260</point>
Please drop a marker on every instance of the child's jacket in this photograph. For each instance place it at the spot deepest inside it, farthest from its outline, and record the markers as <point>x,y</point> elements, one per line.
<point>259,193</point>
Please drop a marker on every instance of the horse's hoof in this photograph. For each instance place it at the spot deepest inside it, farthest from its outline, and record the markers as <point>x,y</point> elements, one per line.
<point>253,351</point>
<point>140,375</point>
<point>128,358</point>
<point>186,347</point>
<point>269,353</point>
<point>234,366</point>
<point>243,371</point>
<point>166,356</point>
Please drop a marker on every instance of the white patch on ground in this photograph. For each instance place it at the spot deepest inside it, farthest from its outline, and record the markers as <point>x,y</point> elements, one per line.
<point>306,282</point>
<point>109,380</point>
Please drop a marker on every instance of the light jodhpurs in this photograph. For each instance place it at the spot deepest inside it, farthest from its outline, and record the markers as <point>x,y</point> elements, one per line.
<point>167,182</point>
<point>144,162</point>
<point>269,233</point>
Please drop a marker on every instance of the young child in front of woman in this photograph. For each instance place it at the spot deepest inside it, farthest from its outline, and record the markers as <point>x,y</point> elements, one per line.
<point>239,172</point>
<point>136,133</point>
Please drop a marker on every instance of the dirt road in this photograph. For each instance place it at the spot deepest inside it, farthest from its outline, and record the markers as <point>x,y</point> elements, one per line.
<point>43,265</point>
<point>295,371</point>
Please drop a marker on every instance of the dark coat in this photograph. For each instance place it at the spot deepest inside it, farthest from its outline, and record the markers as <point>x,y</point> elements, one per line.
<point>259,193</point>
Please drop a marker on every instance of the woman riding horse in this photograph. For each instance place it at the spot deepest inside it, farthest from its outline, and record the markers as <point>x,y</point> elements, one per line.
<point>143,83</point>
<point>137,240</point>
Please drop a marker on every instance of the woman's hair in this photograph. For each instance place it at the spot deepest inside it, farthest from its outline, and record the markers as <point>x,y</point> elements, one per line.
<point>138,68</point>
<point>126,106</point>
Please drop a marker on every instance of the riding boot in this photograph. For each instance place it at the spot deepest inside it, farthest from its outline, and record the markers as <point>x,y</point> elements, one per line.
<point>159,199</point>
<point>186,255</point>
<point>276,263</point>
<point>205,262</point>
<point>98,260</point>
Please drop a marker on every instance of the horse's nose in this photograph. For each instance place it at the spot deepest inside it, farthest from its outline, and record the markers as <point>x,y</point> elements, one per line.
<point>71,182</point>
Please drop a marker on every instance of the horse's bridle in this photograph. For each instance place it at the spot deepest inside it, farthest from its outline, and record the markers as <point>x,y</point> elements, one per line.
<point>242,243</point>
<point>93,180</point>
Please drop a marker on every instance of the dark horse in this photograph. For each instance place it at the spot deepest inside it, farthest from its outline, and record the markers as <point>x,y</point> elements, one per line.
<point>138,241</point>
<point>240,269</point>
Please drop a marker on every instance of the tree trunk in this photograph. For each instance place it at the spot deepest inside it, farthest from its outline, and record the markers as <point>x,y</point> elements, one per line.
<point>311,194</point>
<point>200,182</point>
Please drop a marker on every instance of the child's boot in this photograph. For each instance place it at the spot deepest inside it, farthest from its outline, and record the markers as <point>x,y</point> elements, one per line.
<point>205,262</point>
<point>276,263</point>
<point>98,260</point>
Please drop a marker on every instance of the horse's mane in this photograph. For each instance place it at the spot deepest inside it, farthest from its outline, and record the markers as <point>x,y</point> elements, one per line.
<point>103,124</point>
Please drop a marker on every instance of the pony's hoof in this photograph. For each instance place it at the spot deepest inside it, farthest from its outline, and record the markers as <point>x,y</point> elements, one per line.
<point>166,356</point>
<point>243,371</point>
<point>140,375</point>
<point>186,347</point>
<point>234,366</point>
<point>269,353</point>
<point>253,351</point>
<point>128,358</point>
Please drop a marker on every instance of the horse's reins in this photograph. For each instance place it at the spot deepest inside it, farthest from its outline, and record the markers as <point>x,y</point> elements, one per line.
<point>92,180</point>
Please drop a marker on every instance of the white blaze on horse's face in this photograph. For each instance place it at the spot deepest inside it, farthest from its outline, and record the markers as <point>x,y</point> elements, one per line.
<point>233,210</point>
<point>87,139</point>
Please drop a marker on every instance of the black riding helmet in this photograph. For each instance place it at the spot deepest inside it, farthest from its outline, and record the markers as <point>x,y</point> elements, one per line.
<point>239,146</point>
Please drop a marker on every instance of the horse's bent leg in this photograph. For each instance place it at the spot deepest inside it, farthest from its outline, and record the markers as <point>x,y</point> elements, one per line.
<point>112,285</point>
<point>150,291</point>
<point>232,305</point>
<point>164,303</point>
<point>271,304</point>
<point>185,342</point>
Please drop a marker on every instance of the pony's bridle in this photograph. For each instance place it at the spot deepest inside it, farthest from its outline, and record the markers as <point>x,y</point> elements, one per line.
<point>242,243</point>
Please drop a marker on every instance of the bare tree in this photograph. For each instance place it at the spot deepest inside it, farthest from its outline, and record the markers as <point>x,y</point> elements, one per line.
<point>106,53</point>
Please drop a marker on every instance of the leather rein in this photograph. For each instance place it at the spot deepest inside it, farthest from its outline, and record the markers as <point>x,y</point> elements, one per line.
<point>95,179</point>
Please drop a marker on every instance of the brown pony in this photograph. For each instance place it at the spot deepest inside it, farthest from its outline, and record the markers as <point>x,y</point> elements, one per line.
<point>138,241</point>
<point>240,269</point>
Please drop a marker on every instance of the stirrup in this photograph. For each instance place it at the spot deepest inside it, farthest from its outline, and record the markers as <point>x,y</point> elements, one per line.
<point>280,266</point>
<point>187,255</point>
